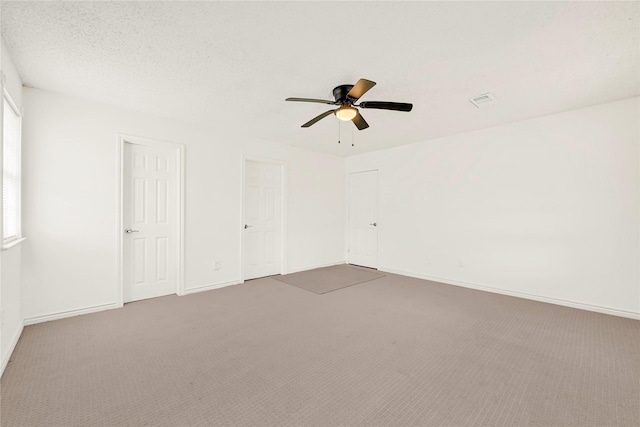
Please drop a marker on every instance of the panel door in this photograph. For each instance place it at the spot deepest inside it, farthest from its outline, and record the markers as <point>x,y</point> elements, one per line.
<point>262,225</point>
<point>363,219</point>
<point>150,219</point>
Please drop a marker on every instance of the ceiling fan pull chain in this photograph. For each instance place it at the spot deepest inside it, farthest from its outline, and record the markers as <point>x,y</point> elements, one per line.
<point>339,132</point>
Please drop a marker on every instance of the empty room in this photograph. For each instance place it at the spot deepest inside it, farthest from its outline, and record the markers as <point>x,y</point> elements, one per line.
<point>320,213</point>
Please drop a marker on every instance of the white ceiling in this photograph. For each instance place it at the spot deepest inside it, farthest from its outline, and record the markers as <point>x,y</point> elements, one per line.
<point>231,64</point>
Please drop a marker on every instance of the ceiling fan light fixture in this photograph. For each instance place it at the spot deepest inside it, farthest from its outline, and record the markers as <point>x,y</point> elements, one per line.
<point>346,113</point>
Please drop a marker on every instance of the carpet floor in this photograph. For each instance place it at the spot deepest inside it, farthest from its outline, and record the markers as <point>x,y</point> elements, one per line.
<point>394,351</point>
<point>329,279</point>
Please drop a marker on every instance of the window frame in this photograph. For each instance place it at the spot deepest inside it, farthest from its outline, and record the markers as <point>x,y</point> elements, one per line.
<point>18,237</point>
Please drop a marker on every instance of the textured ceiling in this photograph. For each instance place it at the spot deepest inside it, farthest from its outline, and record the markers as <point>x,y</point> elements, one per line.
<point>231,64</point>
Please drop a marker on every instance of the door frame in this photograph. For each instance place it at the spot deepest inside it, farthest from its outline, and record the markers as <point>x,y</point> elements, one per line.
<point>180,188</point>
<point>348,204</point>
<point>282,165</point>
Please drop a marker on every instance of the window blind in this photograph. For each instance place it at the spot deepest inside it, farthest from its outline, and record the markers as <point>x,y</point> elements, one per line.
<point>10,173</point>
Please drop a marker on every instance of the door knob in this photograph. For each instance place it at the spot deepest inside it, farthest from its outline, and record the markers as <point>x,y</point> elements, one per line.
<point>129,231</point>
<point>247,226</point>
<point>375,224</point>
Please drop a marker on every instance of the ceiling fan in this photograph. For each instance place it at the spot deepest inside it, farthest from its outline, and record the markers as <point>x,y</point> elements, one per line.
<point>346,97</point>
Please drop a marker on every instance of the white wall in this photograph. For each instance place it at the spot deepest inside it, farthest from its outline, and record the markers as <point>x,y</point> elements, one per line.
<point>547,207</point>
<point>10,260</point>
<point>70,201</point>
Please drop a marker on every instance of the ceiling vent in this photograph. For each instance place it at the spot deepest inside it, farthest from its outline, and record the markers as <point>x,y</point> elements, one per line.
<point>483,100</point>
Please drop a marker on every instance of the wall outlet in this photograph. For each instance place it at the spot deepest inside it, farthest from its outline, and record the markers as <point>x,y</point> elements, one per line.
<point>460,263</point>
<point>217,264</point>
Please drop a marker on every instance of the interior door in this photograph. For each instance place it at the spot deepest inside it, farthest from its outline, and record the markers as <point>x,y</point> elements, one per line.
<point>363,219</point>
<point>262,228</point>
<point>150,219</point>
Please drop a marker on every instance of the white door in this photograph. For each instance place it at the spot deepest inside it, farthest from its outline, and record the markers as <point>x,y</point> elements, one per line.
<point>262,228</point>
<point>150,220</point>
<point>363,219</point>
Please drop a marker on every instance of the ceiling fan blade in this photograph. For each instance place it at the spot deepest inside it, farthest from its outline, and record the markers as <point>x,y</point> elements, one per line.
<point>319,101</point>
<point>361,88</point>
<point>317,119</point>
<point>360,122</point>
<point>397,106</point>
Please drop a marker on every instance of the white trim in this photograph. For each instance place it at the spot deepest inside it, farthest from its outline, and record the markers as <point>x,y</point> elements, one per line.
<point>212,287</point>
<point>283,209</point>
<point>180,152</point>
<point>12,347</point>
<point>70,313</point>
<point>330,264</point>
<point>12,243</point>
<point>556,301</point>
<point>6,244</point>
<point>11,102</point>
<point>119,221</point>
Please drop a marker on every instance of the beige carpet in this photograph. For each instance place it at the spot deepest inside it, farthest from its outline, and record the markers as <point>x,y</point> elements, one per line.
<point>394,352</point>
<point>328,279</point>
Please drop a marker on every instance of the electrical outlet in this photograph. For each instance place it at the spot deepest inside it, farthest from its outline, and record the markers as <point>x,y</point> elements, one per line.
<point>217,264</point>
<point>460,263</point>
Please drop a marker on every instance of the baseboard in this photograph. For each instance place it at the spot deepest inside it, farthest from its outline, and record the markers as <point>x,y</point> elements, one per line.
<point>69,313</point>
<point>212,287</point>
<point>572,304</point>
<point>238,282</point>
<point>330,264</point>
<point>12,346</point>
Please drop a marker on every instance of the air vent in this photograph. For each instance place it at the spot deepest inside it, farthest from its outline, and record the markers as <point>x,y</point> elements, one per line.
<point>483,100</point>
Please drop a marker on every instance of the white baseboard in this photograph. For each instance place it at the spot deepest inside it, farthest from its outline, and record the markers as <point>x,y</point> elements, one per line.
<point>238,282</point>
<point>212,286</point>
<point>12,346</point>
<point>69,313</point>
<point>572,304</point>
<point>297,270</point>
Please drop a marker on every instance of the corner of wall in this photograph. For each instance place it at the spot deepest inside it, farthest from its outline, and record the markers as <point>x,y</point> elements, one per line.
<point>6,356</point>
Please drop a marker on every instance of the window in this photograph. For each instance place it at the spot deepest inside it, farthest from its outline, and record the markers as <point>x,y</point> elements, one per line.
<point>11,136</point>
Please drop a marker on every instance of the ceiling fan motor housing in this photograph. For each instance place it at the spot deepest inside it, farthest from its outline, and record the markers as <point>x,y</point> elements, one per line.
<point>340,93</point>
